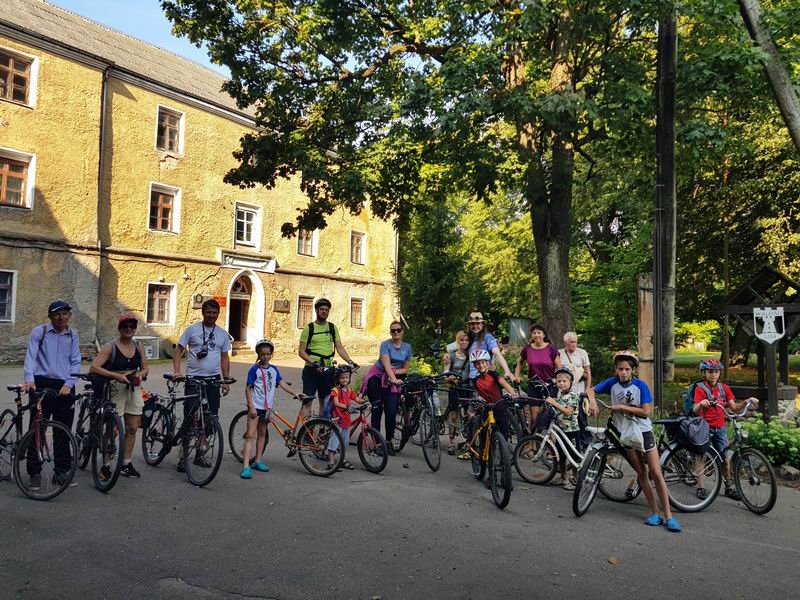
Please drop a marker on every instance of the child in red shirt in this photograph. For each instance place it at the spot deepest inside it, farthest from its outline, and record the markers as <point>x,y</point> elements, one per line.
<point>489,386</point>
<point>341,396</point>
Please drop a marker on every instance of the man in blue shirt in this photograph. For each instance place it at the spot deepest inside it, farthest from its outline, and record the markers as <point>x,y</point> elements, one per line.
<point>53,355</point>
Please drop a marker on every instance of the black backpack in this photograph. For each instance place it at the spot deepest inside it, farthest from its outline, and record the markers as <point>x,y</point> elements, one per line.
<point>693,433</point>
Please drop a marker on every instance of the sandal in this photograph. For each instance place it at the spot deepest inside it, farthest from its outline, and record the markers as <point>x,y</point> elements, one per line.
<point>346,465</point>
<point>731,493</point>
<point>464,456</point>
<point>451,450</point>
<point>701,493</point>
<point>655,520</point>
<point>568,485</point>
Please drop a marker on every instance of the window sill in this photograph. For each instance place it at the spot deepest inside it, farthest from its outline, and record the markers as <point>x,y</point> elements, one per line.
<point>307,255</point>
<point>18,103</point>
<point>360,264</point>
<point>169,154</point>
<point>14,206</point>
<point>162,231</point>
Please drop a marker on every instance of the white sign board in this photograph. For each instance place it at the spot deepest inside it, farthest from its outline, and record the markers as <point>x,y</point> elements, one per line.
<point>772,324</point>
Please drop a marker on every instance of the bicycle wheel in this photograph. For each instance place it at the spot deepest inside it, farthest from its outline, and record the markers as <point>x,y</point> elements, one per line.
<point>7,444</point>
<point>536,461</point>
<point>372,450</point>
<point>401,428</point>
<point>107,451</point>
<point>755,481</point>
<point>46,460</point>
<point>476,460</point>
<point>429,434</point>
<point>619,482</point>
<point>589,477</point>
<point>83,438</point>
<point>236,433</point>
<point>157,436</point>
<point>500,470</point>
<point>204,449</point>
<point>312,447</point>
<point>685,472</point>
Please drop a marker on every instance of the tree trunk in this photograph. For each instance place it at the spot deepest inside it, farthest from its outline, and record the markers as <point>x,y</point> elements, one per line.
<point>776,72</point>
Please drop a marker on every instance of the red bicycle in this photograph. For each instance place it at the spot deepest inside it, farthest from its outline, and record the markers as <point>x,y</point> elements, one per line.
<point>372,447</point>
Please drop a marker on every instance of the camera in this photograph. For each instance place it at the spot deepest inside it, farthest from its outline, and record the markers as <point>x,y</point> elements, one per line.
<point>202,353</point>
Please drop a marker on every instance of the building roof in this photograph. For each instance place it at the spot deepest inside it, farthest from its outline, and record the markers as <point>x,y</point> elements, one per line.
<point>54,24</point>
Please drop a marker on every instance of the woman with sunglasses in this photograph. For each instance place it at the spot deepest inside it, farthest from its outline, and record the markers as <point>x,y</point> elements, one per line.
<point>383,380</point>
<point>124,363</point>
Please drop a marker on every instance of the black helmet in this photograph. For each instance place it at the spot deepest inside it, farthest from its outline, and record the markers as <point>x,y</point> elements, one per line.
<point>565,371</point>
<point>322,302</point>
<point>342,370</point>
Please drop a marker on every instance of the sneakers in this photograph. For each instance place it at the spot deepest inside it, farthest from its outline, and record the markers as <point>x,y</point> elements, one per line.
<point>731,493</point>
<point>129,471</point>
<point>246,473</point>
<point>673,525</point>
<point>36,482</point>
<point>105,473</point>
<point>291,453</point>
<point>654,520</point>
<point>261,466</point>
<point>60,478</point>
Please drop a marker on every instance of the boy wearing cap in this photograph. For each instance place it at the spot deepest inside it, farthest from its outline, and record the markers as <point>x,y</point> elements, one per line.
<point>124,364</point>
<point>53,355</point>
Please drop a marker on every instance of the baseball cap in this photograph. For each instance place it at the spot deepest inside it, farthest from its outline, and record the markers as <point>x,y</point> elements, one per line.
<point>126,317</point>
<point>57,305</point>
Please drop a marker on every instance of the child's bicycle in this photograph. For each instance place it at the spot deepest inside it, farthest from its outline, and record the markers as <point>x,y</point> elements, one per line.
<point>489,450</point>
<point>308,438</point>
<point>372,448</point>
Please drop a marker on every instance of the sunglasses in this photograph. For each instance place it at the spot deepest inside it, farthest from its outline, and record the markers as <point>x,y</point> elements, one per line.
<point>396,331</point>
<point>127,326</point>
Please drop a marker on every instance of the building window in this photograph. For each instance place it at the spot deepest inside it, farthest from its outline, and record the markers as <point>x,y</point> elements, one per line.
<point>16,77</point>
<point>357,247</point>
<point>169,133</point>
<point>248,225</point>
<point>160,303</point>
<point>13,182</point>
<point>305,311</point>
<point>164,208</point>
<point>357,313</point>
<point>7,295</point>
<point>307,242</point>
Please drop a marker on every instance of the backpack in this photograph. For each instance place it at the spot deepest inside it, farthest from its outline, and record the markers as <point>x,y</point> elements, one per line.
<point>688,395</point>
<point>327,407</point>
<point>694,434</point>
<point>311,333</point>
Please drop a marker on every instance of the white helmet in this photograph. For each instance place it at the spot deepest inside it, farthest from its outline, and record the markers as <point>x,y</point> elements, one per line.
<point>479,354</point>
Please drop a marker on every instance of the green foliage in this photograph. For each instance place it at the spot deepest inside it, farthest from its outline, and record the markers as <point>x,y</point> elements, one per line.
<point>423,366</point>
<point>707,332</point>
<point>779,441</point>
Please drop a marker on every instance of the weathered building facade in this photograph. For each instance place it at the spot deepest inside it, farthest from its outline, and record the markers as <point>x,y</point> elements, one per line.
<point>112,154</point>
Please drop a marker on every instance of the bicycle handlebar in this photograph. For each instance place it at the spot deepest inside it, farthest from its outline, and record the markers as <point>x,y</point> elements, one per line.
<point>737,415</point>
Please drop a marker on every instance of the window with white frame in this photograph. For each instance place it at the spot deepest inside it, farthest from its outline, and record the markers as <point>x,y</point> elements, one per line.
<point>17,178</point>
<point>305,310</point>
<point>357,313</point>
<point>165,208</point>
<point>18,74</point>
<point>357,247</point>
<point>307,242</point>
<point>169,131</point>
<point>160,303</point>
<point>8,295</point>
<point>247,225</point>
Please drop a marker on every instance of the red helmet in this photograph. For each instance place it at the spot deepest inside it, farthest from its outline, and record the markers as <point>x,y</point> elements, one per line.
<point>711,364</point>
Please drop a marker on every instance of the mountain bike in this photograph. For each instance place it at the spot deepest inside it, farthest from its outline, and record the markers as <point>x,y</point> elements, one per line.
<point>308,438</point>
<point>489,451</point>
<point>99,433</point>
<point>372,448</point>
<point>417,413</point>
<point>47,453</point>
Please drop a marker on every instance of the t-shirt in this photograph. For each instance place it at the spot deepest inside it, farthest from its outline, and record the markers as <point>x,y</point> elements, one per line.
<point>488,343</point>
<point>215,340</point>
<point>576,362</point>
<point>720,394</point>
<point>265,381</point>
<point>541,361</point>
<point>397,356</point>
<point>488,388</point>
<point>636,393</point>
<point>342,413</point>
<point>568,423</point>
<point>321,343</point>
<point>460,366</point>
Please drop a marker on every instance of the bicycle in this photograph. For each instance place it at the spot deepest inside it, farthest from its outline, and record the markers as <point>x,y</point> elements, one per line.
<point>99,433</point>
<point>46,474</point>
<point>307,437</point>
<point>199,434</point>
<point>417,413</point>
<point>372,448</point>
<point>489,449</point>
<point>158,424</point>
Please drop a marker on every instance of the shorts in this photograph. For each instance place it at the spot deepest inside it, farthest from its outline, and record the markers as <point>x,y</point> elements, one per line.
<point>264,415</point>
<point>719,439</point>
<point>128,400</point>
<point>649,441</point>
<point>333,443</point>
<point>317,383</point>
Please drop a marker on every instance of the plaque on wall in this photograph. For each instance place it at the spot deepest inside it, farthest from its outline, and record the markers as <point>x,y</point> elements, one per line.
<point>281,306</point>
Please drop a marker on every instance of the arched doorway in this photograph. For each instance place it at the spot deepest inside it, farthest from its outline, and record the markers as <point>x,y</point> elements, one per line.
<point>246,309</point>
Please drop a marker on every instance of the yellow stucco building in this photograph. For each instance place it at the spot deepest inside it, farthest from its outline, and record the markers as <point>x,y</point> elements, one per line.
<point>112,154</point>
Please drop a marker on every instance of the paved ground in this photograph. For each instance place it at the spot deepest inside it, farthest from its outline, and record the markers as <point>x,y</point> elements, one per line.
<point>407,533</point>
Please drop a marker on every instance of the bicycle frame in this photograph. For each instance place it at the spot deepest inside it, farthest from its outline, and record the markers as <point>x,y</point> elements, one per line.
<point>562,444</point>
<point>487,425</point>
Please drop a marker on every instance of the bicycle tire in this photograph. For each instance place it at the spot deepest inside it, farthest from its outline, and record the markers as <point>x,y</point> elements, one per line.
<point>157,436</point>
<point>532,463</point>
<point>108,444</point>
<point>83,438</point>
<point>312,447</point>
<point>7,444</point>
<point>682,470</point>
<point>750,479</point>
<point>429,434</point>
<point>236,433</point>
<point>401,428</point>
<point>42,453</point>
<point>589,476</point>
<point>199,471</point>
<point>617,477</point>
<point>500,470</point>
<point>372,445</point>
<point>478,466</point>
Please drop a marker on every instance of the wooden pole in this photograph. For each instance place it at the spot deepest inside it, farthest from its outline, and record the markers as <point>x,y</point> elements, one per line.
<point>771,376</point>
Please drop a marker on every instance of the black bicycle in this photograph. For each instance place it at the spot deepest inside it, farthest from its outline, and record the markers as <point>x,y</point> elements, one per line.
<point>43,460</point>
<point>99,431</point>
<point>417,415</point>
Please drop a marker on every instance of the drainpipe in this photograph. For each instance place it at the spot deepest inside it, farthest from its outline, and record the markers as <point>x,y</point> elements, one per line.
<point>100,174</point>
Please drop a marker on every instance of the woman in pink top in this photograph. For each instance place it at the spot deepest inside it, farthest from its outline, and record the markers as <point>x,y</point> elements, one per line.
<point>543,360</point>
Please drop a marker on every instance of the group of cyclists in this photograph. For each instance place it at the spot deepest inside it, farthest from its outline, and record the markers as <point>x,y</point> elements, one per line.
<point>52,362</point>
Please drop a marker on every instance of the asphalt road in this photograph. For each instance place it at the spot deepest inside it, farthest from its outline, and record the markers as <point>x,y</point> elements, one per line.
<point>407,533</point>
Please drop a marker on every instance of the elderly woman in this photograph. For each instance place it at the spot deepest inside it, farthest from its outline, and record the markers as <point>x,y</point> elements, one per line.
<point>576,360</point>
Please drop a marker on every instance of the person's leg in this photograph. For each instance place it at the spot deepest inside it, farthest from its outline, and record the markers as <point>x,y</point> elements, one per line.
<point>638,464</point>
<point>310,379</point>
<point>131,426</point>
<point>61,409</point>
<point>249,436</point>
<point>375,395</point>
<point>501,418</point>
<point>261,437</point>
<point>333,446</point>
<point>391,401</point>
<point>656,475</point>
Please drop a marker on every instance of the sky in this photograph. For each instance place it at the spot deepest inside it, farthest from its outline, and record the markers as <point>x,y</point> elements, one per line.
<point>141,19</point>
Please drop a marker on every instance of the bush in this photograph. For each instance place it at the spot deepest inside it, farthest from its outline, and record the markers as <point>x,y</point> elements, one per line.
<point>707,332</point>
<point>779,441</point>
<point>422,366</point>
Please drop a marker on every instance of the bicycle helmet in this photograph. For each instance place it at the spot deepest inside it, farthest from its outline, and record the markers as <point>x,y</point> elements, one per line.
<point>265,342</point>
<point>565,371</point>
<point>711,363</point>
<point>342,370</point>
<point>479,354</point>
<point>322,302</point>
<point>626,355</point>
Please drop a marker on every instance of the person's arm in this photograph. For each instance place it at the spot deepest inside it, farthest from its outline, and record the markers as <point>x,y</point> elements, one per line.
<point>501,360</point>
<point>176,359</point>
<point>97,365</point>
<point>287,388</point>
<point>343,353</point>
<point>302,353</point>
<point>700,401</point>
<point>248,397</point>
<point>74,366</point>
<point>387,367</point>
<point>587,376</point>
<point>144,370</point>
<point>518,370</point>
<point>593,409</point>
<point>404,369</point>
<point>557,361</point>
<point>564,410</point>
<point>225,367</point>
<point>507,387</point>
<point>638,411</point>
<point>30,359</point>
